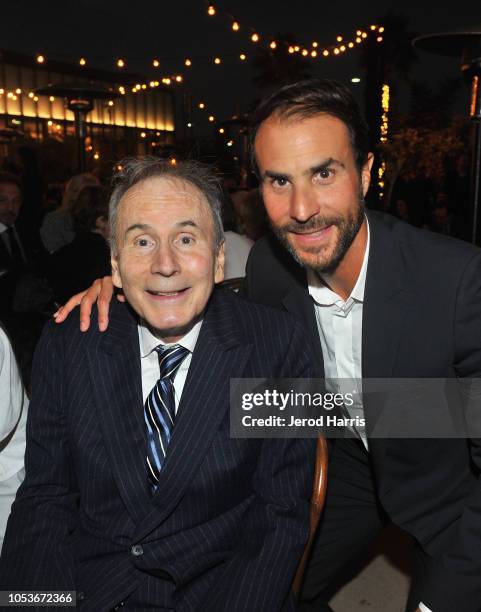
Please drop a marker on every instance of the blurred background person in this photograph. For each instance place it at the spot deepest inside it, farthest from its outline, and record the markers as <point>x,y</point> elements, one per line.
<point>87,257</point>
<point>56,230</point>
<point>13,417</point>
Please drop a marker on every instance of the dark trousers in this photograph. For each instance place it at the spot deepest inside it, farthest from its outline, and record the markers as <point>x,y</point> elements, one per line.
<point>352,517</point>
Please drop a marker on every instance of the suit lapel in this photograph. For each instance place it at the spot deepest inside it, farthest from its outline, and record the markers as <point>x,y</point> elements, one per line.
<point>299,303</point>
<point>116,375</point>
<point>218,356</point>
<point>386,301</point>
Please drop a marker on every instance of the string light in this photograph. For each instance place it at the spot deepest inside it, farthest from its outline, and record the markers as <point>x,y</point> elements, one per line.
<point>315,44</point>
<point>242,57</point>
<point>211,118</point>
<point>211,10</point>
<point>96,156</point>
<point>255,37</point>
<point>82,61</point>
<point>120,63</point>
<point>143,134</point>
<point>201,105</point>
<point>110,102</point>
<point>235,26</point>
<point>379,39</point>
<point>230,143</point>
<point>221,130</point>
<point>339,38</point>
<point>155,63</point>
<point>41,59</point>
<point>217,60</point>
<point>52,98</point>
<point>273,44</point>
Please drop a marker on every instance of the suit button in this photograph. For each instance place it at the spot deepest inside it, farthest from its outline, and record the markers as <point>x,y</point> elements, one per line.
<point>137,550</point>
<point>118,606</point>
<point>80,596</point>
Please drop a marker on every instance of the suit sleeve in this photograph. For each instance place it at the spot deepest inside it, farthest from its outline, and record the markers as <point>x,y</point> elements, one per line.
<point>36,552</point>
<point>259,575</point>
<point>457,583</point>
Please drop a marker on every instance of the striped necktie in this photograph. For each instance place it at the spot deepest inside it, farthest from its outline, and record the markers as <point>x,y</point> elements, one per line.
<point>159,409</point>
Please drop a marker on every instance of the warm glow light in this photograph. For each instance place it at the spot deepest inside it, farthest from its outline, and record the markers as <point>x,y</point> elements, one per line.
<point>144,86</point>
<point>2,91</point>
<point>110,102</point>
<point>305,52</point>
<point>52,98</point>
<point>315,45</point>
<point>291,50</point>
<point>35,98</point>
<point>217,60</point>
<point>242,56</point>
<point>235,26</point>
<point>211,118</point>
<point>350,45</point>
<point>342,48</point>
<point>339,38</point>
<point>221,130</point>
<point>373,27</point>
<point>40,59</point>
<point>18,91</point>
<point>381,29</point>
<point>273,44</point>
<point>379,39</point>
<point>155,63</point>
<point>189,125</point>
<point>325,53</point>
<point>96,155</point>
<point>296,48</point>
<point>173,161</point>
<point>152,83</point>
<point>178,78</point>
<point>143,134</point>
<point>355,80</point>
<point>255,37</point>
<point>120,63</point>
<point>314,53</point>
<point>211,10</point>
<point>82,61</point>
<point>358,40</point>
<point>166,81</point>
<point>49,123</point>
<point>230,143</point>
<point>201,105</point>
<point>363,35</point>
<point>358,32</point>
<point>188,62</point>
<point>336,51</point>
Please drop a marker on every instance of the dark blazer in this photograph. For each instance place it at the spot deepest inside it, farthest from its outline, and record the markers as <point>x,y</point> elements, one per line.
<point>421,318</point>
<point>229,521</point>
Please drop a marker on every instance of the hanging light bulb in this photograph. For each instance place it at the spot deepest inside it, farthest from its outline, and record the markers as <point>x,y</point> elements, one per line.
<point>235,26</point>
<point>255,37</point>
<point>211,10</point>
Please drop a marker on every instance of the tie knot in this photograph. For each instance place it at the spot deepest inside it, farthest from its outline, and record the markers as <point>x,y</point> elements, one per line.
<point>170,358</point>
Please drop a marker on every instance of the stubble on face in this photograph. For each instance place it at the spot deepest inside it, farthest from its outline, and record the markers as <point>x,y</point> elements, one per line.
<point>326,262</point>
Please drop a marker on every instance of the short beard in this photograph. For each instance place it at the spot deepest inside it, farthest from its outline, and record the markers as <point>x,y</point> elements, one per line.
<point>348,230</point>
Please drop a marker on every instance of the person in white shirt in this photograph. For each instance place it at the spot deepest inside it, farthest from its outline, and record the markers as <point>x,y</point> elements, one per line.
<point>13,417</point>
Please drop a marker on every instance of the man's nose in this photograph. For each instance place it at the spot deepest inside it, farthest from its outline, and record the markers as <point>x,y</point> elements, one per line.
<point>304,204</point>
<point>165,261</point>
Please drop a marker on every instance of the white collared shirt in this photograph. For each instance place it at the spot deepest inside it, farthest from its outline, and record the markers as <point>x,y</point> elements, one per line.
<point>340,332</point>
<point>149,361</point>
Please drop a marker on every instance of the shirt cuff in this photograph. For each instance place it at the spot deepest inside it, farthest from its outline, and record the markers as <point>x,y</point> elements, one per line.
<point>424,608</point>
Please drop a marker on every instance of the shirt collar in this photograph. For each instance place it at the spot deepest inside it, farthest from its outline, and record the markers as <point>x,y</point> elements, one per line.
<point>326,297</point>
<point>148,341</point>
<point>3,228</point>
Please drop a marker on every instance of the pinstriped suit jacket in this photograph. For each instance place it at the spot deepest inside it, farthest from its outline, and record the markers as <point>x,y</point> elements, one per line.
<point>229,521</point>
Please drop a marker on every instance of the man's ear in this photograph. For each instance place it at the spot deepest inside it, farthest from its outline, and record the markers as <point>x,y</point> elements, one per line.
<point>219,264</point>
<point>116,278</point>
<point>366,173</point>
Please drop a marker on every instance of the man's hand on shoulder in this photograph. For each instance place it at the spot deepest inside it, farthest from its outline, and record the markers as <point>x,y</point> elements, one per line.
<point>101,291</point>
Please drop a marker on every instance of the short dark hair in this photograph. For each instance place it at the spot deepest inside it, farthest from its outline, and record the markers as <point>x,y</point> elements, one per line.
<point>9,177</point>
<point>91,203</point>
<point>133,170</point>
<point>313,97</point>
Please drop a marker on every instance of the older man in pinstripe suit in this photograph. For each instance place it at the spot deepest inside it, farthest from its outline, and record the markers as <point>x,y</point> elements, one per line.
<point>135,495</point>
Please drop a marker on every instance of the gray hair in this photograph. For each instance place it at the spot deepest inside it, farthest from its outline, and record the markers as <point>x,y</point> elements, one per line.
<point>133,170</point>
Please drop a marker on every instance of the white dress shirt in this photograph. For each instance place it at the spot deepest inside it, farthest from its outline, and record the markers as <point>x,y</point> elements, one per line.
<point>149,361</point>
<point>340,331</point>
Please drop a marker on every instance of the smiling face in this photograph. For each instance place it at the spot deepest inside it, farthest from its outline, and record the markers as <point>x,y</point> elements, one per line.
<point>311,187</point>
<point>165,260</point>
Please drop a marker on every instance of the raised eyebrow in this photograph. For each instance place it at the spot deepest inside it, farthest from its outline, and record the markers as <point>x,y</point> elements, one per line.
<point>325,164</point>
<point>138,226</point>
<point>275,175</point>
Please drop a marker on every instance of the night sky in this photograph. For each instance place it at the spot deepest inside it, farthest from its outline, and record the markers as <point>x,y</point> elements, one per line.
<point>102,30</point>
